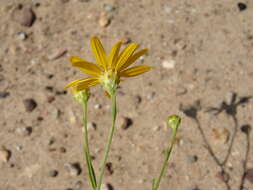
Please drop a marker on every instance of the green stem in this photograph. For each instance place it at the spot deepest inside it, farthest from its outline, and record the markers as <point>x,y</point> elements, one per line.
<point>87,156</point>
<point>109,142</point>
<point>165,163</point>
<point>85,128</point>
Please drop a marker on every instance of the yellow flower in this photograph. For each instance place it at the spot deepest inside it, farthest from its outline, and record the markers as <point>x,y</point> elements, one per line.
<point>109,68</point>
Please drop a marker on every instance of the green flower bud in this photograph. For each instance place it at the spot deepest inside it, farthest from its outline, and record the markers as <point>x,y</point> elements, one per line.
<point>173,122</point>
<point>81,96</point>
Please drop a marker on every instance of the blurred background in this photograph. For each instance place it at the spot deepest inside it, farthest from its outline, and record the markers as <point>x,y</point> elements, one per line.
<point>201,54</point>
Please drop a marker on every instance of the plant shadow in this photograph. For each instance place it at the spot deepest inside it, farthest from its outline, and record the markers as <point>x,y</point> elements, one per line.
<point>231,109</point>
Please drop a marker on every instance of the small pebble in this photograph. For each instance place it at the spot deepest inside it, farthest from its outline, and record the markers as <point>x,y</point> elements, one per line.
<point>73,169</point>
<point>157,128</point>
<point>72,117</point>
<point>246,129</point>
<point>125,122</point>
<point>192,159</point>
<point>22,36</point>
<point>49,88</point>
<point>126,40</point>
<point>168,9</point>
<point>51,141</point>
<point>30,104</point>
<point>109,8</point>
<point>78,185</point>
<point>24,131</point>
<point>63,150</point>
<point>62,92</point>
<point>92,126</point>
<point>181,91</point>
<point>137,100</point>
<point>57,54</point>
<point>169,64</point>
<point>109,170</point>
<point>56,113</point>
<point>50,99</point>
<point>106,187</point>
<point>242,6</point>
<point>4,94</point>
<point>151,95</point>
<point>249,175</point>
<point>19,148</point>
<point>97,106</point>
<point>53,173</point>
<point>104,20</point>
<point>4,154</point>
<point>24,16</point>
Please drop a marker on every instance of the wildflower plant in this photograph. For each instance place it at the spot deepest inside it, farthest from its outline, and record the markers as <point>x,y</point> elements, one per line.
<point>108,72</point>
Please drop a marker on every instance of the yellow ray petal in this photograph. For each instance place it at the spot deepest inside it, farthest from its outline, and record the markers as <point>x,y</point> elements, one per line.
<point>112,58</point>
<point>125,55</point>
<point>81,81</point>
<point>134,71</point>
<point>98,52</point>
<point>133,58</point>
<point>85,66</point>
<point>83,86</point>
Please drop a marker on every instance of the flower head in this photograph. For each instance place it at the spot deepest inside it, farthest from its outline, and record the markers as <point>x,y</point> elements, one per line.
<point>109,68</point>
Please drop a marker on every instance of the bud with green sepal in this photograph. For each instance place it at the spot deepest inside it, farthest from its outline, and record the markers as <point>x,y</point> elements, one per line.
<point>173,122</point>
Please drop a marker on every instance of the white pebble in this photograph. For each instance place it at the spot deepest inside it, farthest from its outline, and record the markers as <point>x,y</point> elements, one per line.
<point>22,35</point>
<point>97,106</point>
<point>168,9</point>
<point>169,64</point>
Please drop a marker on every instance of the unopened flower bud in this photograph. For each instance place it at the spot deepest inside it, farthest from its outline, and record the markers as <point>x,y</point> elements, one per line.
<point>81,96</point>
<point>173,122</point>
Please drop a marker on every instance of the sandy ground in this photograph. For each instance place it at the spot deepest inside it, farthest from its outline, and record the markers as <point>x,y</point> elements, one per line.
<point>201,54</point>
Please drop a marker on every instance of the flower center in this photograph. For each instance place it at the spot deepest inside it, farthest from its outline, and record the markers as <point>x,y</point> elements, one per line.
<point>109,80</point>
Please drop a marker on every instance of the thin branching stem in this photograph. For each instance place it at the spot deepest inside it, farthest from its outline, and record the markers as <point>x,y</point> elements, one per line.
<point>109,141</point>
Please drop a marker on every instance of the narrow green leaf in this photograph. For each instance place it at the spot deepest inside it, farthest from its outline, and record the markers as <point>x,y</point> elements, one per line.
<point>91,171</point>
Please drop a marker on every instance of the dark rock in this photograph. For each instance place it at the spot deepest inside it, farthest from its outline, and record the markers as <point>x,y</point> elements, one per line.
<point>74,169</point>
<point>49,88</point>
<point>109,170</point>
<point>125,122</point>
<point>246,129</point>
<point>63,150</point>
<point>4,94</point>
<point>50,99</point>
<point>24,16</point>
<point>109,186</point>
<point>30,104</point>
<point>242,6</point>
<point>137,100</point>
<point>53,173</point>
<point>24,131</point>
<point>63,92</point>
<point>39,118</point>
<point>192,159</point>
